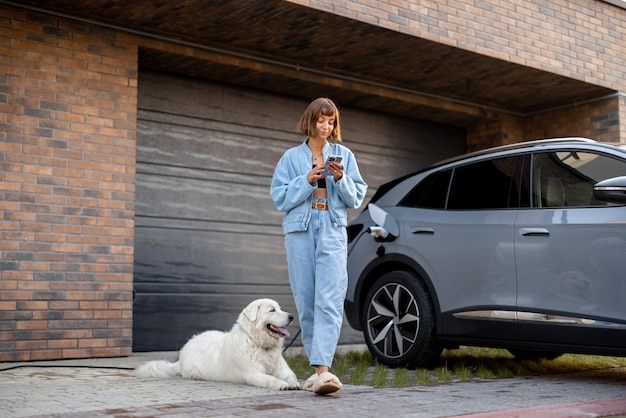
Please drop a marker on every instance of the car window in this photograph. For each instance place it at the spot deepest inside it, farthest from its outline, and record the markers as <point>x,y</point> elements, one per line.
<point>491,184</point>
<point>566,179</point>
<point>429,193</point>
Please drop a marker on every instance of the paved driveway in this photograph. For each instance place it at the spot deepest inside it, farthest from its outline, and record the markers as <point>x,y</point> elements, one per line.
<point>107,388</point>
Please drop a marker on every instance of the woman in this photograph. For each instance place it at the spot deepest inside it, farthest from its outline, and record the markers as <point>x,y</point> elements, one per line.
<point>315,206</point>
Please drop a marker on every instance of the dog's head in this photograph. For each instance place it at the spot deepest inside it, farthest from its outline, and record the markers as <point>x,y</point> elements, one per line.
<point>265,321</point>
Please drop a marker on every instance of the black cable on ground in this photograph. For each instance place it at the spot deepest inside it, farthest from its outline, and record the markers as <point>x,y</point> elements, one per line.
<point>69,366</point>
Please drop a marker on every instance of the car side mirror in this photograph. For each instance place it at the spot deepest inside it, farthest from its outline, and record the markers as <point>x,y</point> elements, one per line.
<point>611,190</point>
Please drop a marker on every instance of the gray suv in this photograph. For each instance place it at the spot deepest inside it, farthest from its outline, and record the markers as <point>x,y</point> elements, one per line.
<point>521,247</point>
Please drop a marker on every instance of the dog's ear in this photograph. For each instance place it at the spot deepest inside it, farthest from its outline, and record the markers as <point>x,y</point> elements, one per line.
<point>251,311</point>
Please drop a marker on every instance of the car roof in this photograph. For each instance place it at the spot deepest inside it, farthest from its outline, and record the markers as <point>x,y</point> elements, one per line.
<point>524,145</point>
<point>518,145</point>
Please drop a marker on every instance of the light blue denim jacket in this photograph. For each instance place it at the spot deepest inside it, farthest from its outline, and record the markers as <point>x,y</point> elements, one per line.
<point>293,194</point>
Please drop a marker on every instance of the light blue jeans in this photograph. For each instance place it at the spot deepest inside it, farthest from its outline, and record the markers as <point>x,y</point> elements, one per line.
<point>317,264</point>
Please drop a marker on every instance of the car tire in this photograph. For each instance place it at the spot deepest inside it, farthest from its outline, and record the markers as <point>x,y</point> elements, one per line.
<point>521,354</point>
<point>398,320</point>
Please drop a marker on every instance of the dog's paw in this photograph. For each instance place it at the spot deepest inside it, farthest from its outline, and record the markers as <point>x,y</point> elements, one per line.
<point>291,386</point>
<point>277,385</point>
<point>291,379</point>
<point>286,385</point>
<point>262,380</point>
<point>293,383</point>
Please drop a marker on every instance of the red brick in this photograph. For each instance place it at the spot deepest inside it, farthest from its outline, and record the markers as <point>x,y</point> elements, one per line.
<point>17,295</point>
<point>8,285</point>
<point>31,325</point>
<point>17,275</point>
<point>112,352</point>
<point>92,343</point>
<point>32,306</point>
<point>62,305</point>
<point>8,305</point>
<point>62,344</point>
<point>31,345</point>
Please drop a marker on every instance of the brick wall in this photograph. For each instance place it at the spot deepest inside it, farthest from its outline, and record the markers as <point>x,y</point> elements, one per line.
<point>67,155</point>
<point>581,39</point>
<point>598,120</point>
<point>602,120</point>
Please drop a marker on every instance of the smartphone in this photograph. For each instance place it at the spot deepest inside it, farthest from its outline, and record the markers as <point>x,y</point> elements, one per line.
<point>330,159</point>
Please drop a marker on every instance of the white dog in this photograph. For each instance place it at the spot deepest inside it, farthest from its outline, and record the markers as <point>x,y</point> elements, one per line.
<point>250,353</point>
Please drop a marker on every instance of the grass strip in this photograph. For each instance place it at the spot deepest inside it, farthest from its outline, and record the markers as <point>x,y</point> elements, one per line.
<point>465,364</point>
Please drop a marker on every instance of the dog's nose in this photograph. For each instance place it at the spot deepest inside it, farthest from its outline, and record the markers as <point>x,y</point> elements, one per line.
<point>290,317</point>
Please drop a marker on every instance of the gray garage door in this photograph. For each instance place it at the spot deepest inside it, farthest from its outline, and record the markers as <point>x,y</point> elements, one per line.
<point>207,236</point>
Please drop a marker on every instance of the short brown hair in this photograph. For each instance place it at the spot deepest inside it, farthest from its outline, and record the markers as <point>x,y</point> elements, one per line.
<point>318,107</point>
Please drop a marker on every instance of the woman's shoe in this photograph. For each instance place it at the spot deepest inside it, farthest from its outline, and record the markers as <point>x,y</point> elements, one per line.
<point>308,384</point>
<point>325,383</point>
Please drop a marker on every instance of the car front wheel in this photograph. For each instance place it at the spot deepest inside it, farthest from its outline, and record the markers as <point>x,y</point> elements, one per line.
<point>398,320</point>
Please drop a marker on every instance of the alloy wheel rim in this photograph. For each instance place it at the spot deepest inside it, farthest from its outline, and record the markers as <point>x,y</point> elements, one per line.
<point>393,320</point>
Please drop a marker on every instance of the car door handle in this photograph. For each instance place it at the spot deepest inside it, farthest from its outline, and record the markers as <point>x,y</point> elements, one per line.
<point>534,232</point>
<point>422,230</point>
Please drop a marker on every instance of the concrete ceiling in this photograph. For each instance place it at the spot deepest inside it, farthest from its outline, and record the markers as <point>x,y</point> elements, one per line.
<point>290,49</point>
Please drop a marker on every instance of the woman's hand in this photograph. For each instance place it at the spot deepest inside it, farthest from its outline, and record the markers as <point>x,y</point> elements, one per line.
<point>315,174</point>
<point>336,169</point>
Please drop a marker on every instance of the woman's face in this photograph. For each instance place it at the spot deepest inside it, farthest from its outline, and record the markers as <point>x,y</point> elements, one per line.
<point>324,126</point>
